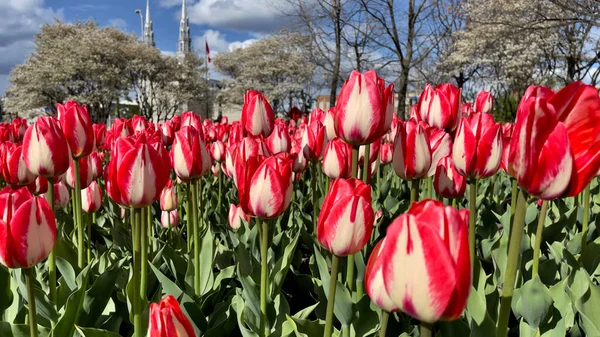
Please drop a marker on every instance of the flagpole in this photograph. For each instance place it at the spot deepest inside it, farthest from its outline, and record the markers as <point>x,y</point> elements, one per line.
<point>206,76</point>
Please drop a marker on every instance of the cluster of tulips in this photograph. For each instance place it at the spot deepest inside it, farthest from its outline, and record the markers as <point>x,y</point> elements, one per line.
<point>422,266</point>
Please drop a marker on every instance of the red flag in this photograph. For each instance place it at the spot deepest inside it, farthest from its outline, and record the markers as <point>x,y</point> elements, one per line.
<point>207,51</point>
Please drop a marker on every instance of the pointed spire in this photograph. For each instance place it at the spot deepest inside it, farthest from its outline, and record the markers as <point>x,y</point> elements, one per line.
<point>185,41</point>
<point>148,30</point>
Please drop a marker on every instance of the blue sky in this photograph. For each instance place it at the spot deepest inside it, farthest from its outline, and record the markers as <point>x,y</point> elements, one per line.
<point>225,23</point>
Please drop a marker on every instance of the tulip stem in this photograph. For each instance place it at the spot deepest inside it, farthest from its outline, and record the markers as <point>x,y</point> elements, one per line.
<point>454,203</point>
<point>384,322</point>
<point>426,329</point>
<point>378,176</point>
<point>366,166</point>
<point>264,275</point>
<point>513,197</point>
<point>538,238</point>
<point>220,179</point>
<point>77,213</point>
<point>51,257</point>
<point>354,162</point>
<point>512,264</point>
<point>190,218</point>
<point>193,226</point>
<point>137,305</point>
<point>313,189</point>
<point>586,217</point>
<point>144,252</point>
<point>33,330</point>
<point>89,236</point>
<point>414,191</point>
<point>472,218</point>
<point>350,273</point>
<point>331,298</point>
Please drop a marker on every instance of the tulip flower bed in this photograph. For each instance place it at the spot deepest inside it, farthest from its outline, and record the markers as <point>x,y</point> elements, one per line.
<point>349,222</point>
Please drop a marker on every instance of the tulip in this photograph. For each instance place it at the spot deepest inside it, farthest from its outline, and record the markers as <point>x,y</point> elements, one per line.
<point>77,127</point>
<point>39,186</point>
<point>385,152</point>
<point>329,123</point>
<point>300,162</point>
<point>373,152</point>
<point>447,181</point>
<point>86,173</point>
<point>279,140</point>
<point>169,219</point>
<point>362,110</point>
<point>45,148</point>
<point>217,151</point>
<point>337,160</point>
<point>10,200</point>
<point>28,236</point>
<point>139,123</point>
<point>412,152</point>
<point>374,281</point>
<point>265,188</point>
<point>122,127</point>
<point>168,134</point>
<point>484,102</point>
<point>168,197</point>
<point>346,218</point>
<point>314,141</point>
<point>425,263</point>
<point>91,198</point>
<point>441,146</point>
<point>439,106</point>
<point>19,126</point>
<point>235,217</point>
<point>507,131</point>
<point>247,147</point>
<point>14,170</point>
<point>167,319</point>
<point>257,115</point>
<point>191,159</point>
<point>99,134</point>
<point>467,110</point>
<point>190,118</point>
<point>477,149</point>
<point>61,195</point>
<point>216,170</point>
<point>96,164</point>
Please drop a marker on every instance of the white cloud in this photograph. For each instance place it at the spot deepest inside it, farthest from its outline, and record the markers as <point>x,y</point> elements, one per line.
<point>217,42</point>
<point>171,3</point>
<point>118,22</point>
<point>20,20</point>
<point>241,15</point>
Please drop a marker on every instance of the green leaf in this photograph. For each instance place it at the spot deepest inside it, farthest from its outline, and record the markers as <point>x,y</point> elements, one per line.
<point>476,306</point>
<point>305,328</point>
<point>5,293</point>
<point>238,305</point>
<point>20,330</point>
<point>535,302</point>
<point>587,307</point>
<point>343,301</point>
<point>66,323</point>
<point>282,266</point>
<point>67,272</point>
<point>91,332</point>
<point>97,297</point>
<point>206,261</point>
<point>43,305</point>
<point>168,286</point>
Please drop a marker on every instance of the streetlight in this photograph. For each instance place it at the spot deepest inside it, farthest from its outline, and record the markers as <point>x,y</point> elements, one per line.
<point>139,12</point>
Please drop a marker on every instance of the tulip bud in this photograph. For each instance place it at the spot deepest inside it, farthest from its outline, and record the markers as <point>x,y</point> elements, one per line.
<point>412,151</point>
<point>361,115</point>
<point>441,146</point>
<point>39,186</point>
<point>45,148</point>
<point>139,123</point>
<point>167,319</point>
<point>168,134</point>
<point>99,134</point>
<point>507,131</point>
<point>279,140</point>
<point>425,262</point>
<point>439,106</point>
<point>217,151</point>
<point>96,164</point>
<point>265,188</point>
<point>447,182</point>
<point>330,124</point>
<point>477,149</point>
<point>300,162</point>
<point>257,115</point>
<point>374,280</point>
<point>168,197</point>
<point>62,197</point>
<point>169,219</point>
<point>19,127</point>
<point>190,156</point>
<point>77,128</point>
<point>337,160</point>
<point>346,218</point>
<point>14,170</point>
<point>385,153</point>
<point>314,141</point>
<point>28,237</point>
<point>216,169</point>
<point>190,118</point>
<point>86,173</point>
<point>484,102</point>
<point>91,198</point>
<point>236,215</point>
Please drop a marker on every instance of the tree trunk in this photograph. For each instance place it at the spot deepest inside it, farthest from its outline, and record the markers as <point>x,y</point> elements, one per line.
<point>336,67</point>
<point>406,60</point>
<point>402,90</point>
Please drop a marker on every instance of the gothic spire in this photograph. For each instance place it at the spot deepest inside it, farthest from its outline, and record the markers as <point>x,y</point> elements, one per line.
<point>185,41</point>
<point>148,30</point>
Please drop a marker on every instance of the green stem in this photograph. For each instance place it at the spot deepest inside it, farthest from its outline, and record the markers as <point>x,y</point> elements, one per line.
<point>472,218</point>
<point>366,162</point>
<point>430,187</point>
<point>426,329</point>
<point>331,298</point>
<point>77,213</point>
<point>313,190</point>
<point>586,217</point>
<point>454,202</point>
<point>52,256</point>
<point>193,225</point>
<point>414,191</point>
<point>538,238</point>
<point>512,264</point>
<point>144,253</point>
<point>137,305</point>
<point>190,218</point>
<point>378,176</point>
<point>384,322</point>
<point>355,162</point>
<point>264,276</point>
<point>89,237</point>
<point>220,178</point>
<point>350,273</point>
<point>33,329</point>
<point>513,197</point>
